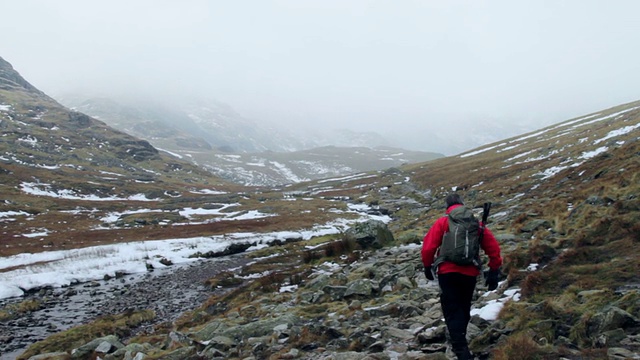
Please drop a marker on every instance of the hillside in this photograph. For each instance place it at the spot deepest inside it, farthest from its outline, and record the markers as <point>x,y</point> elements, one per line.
<point>212,135</point>
<point>565,210</point>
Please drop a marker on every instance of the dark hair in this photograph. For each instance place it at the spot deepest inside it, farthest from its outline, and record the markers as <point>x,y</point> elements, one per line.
<point>453,199</point>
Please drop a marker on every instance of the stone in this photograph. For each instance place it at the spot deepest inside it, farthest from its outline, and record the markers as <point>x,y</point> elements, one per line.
<point>180,353</point>
<point>104,347</point>
<point>139,356</point>
<point>88,348</point>
<point>210,352</point>
<point>432,335</point>
<point>223,343</point>
<point>620,354</point>
<point>318,283</point>
<point>51,356</point>
<point>335,293</point>
<point>292,354</point>
<point>131,349</point>
<point>259,328</point>
<point>612,319</point>
<point>361,287</point>
<point>371,234</point>
<point>397,333</point>
<point>210,330</point>
<point>533,225</point>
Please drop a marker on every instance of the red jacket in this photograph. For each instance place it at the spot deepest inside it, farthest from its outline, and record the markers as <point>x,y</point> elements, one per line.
<point>433,240</point>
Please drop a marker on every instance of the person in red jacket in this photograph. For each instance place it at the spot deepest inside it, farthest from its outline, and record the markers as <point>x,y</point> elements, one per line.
<point>457,283</point>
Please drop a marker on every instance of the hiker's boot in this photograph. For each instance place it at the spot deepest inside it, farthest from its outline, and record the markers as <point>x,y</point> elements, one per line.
<point>461,349</point>
<point>463,354</point>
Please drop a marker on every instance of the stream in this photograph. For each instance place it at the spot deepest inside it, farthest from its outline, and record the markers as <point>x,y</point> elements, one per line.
<point>170,292</point>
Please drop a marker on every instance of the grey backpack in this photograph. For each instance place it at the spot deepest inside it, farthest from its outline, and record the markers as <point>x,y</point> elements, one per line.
<point>461,243</point>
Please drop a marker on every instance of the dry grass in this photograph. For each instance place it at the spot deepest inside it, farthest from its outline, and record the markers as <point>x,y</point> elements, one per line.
<point>12,311</point>
<point>119,325</point>
<point>522,347</point>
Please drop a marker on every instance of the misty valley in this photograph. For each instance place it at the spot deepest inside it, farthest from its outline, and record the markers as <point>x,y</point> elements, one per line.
<point>137,231</point>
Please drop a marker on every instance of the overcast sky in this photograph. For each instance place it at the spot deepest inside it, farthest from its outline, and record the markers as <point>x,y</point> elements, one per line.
<point>398,67</point>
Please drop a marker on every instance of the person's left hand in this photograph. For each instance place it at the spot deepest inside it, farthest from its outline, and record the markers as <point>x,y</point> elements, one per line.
<point>491,279</point>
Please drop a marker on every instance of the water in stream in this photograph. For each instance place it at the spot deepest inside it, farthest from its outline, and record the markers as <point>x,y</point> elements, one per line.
<point>169,292</point>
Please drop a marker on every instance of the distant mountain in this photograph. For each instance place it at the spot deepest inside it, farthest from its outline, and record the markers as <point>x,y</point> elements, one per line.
<point>214,136</point>
<point>45,143</point>
<point>190,123</point>
<point>278,168</point>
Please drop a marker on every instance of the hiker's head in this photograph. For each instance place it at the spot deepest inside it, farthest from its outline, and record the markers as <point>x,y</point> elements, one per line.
<point>453,199</point>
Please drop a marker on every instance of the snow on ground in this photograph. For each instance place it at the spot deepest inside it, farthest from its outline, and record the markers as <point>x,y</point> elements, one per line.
<point>594,153</point>
<point>476,152</point>
<point>605,117</point>
<point>569,125</point>
<point>208,192</point>
<point>43,189</point>
<point>171,153</point>
<point>491,310</point>
<point>8,215</point>
<point>62,268</point>
<point>349,177</point>
<point>229,158</point>
<point>189,213</point>
<point>287,173</point>
<point>4,107</point>
<point>614,133</point>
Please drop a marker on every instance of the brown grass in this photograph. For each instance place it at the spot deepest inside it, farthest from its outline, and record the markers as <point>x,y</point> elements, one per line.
<point>12,311</point>
<point>520,346</point>
<point>119,325</point>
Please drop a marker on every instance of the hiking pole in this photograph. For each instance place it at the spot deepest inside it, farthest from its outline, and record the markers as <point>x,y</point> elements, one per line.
<point>485,212</point>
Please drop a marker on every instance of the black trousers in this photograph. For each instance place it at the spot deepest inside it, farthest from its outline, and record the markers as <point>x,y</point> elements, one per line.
<point>455,299</point>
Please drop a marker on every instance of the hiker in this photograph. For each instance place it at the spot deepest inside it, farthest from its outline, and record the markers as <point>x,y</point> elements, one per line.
<point>457,282</point>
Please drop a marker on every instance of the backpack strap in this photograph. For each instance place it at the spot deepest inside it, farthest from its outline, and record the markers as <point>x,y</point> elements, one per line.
<point>440,257</point>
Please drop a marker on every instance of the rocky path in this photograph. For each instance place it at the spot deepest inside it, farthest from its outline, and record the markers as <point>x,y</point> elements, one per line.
<point>169,292</point>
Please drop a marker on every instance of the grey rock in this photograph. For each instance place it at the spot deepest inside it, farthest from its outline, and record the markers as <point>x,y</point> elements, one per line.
<point>51,356</point>
<point>371,234</point>
<point>361,287</point>
<point>612,319</point>
<point>318,283</point>
<point>104,347</point>
<point>433,335</point>
<point>533,225</point>
<point>180,353</point>
<point>335,292</point>
<point>130,349</point>
<point>210,330</point>
<point>139,356</point>
<point>621,354</point>
<point>211,352</point>
<point>223,343</point>
<point>395,333</point>
<point>86,349</point>
<point>260,328</point>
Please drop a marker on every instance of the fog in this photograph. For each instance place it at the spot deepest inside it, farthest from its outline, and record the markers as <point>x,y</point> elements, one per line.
<point>411,70</point>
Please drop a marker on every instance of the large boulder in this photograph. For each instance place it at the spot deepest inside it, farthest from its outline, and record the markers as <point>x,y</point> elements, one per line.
<point>103,345</point>
<point>371,234</point>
